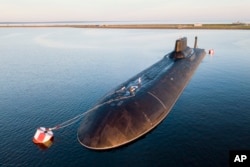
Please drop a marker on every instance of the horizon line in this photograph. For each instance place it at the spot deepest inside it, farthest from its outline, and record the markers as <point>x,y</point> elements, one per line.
<point>95,21</point>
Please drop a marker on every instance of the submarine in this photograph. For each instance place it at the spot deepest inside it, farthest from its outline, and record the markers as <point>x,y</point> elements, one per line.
<point>138,105</point>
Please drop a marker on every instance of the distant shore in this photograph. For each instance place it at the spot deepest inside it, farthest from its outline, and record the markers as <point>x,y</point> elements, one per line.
<point>136,26</point>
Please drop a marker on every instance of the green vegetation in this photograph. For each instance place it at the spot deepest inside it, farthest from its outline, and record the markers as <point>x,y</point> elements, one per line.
<point>234,26</point>
<point>180,26</point>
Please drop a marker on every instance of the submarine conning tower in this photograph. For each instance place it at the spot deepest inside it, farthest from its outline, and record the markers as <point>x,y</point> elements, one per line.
<point>180,44</point>
<point>181,49</point>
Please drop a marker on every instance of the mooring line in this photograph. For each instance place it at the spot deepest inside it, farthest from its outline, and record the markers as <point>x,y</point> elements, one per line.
<point>76,118</point>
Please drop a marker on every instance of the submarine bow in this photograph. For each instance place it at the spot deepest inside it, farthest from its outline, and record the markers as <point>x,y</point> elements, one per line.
<point>138,105</point>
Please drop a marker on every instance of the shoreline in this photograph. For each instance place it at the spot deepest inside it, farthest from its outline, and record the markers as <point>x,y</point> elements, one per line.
<point>136,26</point>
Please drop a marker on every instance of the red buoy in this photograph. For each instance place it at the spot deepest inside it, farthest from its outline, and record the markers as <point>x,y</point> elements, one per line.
<point>42,135</point>
<point>211,52</point>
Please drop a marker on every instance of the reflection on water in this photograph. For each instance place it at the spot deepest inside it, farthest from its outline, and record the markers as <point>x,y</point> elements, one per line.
<point>46,145</point>
<point>49,75</point>
<point>48,41</point>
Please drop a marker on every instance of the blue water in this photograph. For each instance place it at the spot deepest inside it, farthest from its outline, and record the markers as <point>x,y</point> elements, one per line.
<point>49,75</point>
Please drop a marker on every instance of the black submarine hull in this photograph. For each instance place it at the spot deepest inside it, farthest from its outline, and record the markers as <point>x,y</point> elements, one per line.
<point>124,115</point>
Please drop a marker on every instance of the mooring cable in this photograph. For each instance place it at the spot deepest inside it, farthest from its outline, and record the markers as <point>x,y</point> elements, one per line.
<point>76,118</point>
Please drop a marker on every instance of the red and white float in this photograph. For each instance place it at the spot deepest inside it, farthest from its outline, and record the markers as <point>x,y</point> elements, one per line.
<point>211,52</point>
<point>42,135</point>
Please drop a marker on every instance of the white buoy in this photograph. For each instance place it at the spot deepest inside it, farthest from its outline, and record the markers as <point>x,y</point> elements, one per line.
<point>42,135</point>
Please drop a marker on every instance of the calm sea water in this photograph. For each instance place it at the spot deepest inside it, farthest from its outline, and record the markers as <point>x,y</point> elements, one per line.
<point>49,75</point>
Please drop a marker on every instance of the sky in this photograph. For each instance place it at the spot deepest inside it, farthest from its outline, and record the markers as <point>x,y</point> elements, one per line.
<point>125,10</point>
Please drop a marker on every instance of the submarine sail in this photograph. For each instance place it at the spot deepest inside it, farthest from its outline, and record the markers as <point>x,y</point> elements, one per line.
<point>138,105</point>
